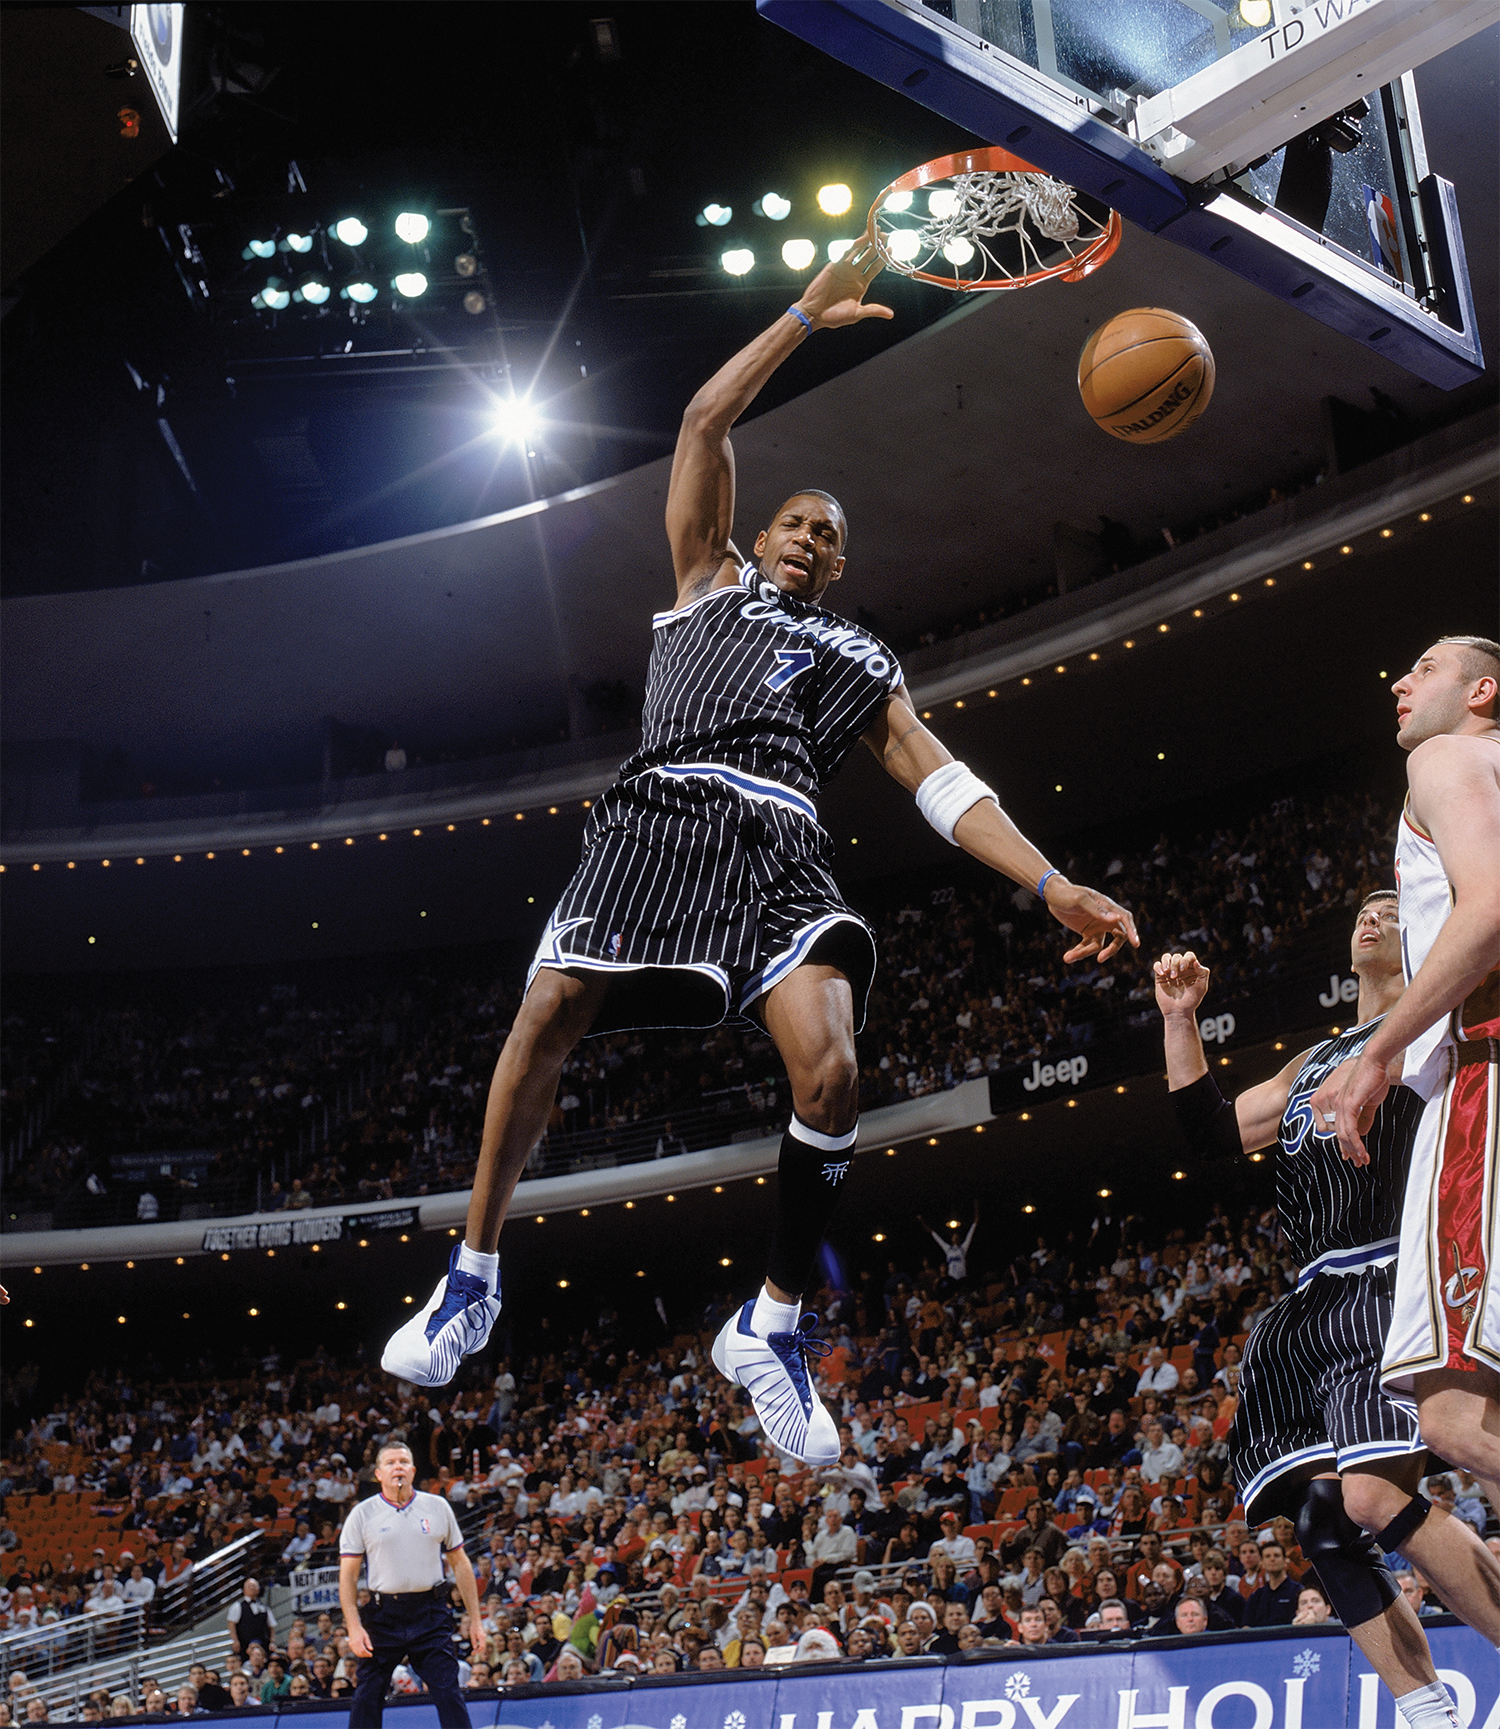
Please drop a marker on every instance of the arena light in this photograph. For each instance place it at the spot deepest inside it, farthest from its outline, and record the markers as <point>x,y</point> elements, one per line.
<point>837,249</point>
<point>958,250</point>
<point>410,284</point>
<point>474,303</point>
<point>361,293</point>
<point>314,292</point>
<point>1256,14</point>
<point>412,227</point>
<point>942,203</point>
<point>905,244</point>
<point>898,201</point>
<point>738,261</point>
<point>261,249</point>
<point>299,243</point>
<point>834,199</point>
<point>798,254</point>
<point>351,231</point>
<point>773,206</point>
<point>276,295</point>
<point>514,419</point>
<point>714,215</point>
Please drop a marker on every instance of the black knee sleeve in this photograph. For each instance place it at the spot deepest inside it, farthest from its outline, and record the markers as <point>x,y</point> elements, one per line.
<point>809,1176</point>
<point>1405,1522</point>
<point>1348,1563</point>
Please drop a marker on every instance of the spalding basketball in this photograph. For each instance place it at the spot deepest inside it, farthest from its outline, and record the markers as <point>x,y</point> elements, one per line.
<point>1146,375</point>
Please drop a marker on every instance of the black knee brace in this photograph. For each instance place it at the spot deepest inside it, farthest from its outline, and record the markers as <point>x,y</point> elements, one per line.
<point>1405,1522</point>
<point>1349,1564</point>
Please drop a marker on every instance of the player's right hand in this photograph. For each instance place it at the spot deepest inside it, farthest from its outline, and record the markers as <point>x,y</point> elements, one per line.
<point>1181,983</point>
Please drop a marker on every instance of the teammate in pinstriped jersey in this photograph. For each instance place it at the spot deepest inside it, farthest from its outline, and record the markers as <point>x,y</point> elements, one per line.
<point>1314,1437</point>
<point>706,888</point>
<point>1443,1350</point>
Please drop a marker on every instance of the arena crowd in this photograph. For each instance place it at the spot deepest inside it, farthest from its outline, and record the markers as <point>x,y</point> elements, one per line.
<point>625,1517</point>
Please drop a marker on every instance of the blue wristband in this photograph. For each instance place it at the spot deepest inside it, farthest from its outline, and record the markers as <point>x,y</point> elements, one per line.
<point>1041,887</point>
<point>801,317</point>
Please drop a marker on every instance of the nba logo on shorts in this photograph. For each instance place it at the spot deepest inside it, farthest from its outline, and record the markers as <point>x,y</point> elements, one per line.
<point>614,946</point>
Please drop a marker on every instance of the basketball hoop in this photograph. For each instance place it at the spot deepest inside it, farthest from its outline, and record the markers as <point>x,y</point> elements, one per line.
<point>990,221</point>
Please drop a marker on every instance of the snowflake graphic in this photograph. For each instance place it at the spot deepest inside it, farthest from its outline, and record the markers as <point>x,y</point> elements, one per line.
<point>596,1721</point>
<point>679,1722</point>
<point>735,1720</point>
<point>1306,1663</point>
<point>1017,1686</point>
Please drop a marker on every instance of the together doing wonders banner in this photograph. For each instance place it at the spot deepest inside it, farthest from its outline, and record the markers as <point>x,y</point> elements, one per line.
<point>1295,1678</point>
<point>294,1230</point>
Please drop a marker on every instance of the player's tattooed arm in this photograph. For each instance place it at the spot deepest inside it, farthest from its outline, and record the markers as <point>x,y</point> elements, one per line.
<point>909,753</point>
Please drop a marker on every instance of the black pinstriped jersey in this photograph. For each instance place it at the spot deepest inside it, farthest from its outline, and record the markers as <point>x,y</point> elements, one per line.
<point>1325,1203</point>
<point>752,679</point>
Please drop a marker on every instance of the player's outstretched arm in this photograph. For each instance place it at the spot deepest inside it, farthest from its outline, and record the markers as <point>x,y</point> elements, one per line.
<point>1455,794</point>
<point>910,754</point>
<point>1181,984</point>
<point>700,494</point>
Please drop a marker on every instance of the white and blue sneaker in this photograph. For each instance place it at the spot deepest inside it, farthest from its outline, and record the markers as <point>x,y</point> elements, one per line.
<point>773,1371</point>
<point>455,1324</point>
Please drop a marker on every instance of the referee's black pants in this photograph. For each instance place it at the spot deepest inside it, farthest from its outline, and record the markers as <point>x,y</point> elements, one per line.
<point>418,1628</point>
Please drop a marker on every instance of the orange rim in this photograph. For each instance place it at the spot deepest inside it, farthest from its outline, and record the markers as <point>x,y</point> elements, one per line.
<point>989,159</point>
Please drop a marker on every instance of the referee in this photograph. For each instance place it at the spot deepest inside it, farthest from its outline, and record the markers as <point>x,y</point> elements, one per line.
<point>403,1536</point>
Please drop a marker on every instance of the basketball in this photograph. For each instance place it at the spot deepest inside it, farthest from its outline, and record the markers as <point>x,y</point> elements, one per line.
<point>1146,375</point>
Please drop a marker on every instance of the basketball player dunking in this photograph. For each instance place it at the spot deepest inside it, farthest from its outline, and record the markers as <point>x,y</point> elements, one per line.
<point>705,889</point>
<point>1314,1437</point>
<point>1443,1349</point>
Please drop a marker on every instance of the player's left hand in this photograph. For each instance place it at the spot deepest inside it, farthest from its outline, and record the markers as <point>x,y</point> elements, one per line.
<point>836,294</point>
<point>1347,1101</point>
<point>1103,925</point>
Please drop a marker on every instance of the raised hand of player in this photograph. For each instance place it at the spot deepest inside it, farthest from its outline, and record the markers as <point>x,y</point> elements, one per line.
<point>1103,925</point>
<point>1346,1103</point>
<point>836,294</point>
<point>1181,983</point>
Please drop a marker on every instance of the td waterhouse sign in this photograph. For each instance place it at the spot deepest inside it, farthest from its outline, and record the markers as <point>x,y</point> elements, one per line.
<point>298,1230</point>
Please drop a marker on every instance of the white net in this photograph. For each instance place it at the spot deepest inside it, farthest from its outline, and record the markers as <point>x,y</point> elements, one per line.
<point>989,229</point>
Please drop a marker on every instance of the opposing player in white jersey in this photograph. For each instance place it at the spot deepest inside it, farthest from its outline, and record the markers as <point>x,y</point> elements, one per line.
<point>705,890</point>
<point>1315,1438</point>
<point>1443,1349</point>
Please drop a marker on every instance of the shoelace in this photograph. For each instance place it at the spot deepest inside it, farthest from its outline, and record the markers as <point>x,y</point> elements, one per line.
<point>473,1292</point>
<point>794,1349</point>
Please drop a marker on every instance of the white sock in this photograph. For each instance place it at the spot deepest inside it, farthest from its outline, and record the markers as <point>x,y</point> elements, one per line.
<point>769,1316</point>
<point>1429,1707</point>
<point>486,1267</point>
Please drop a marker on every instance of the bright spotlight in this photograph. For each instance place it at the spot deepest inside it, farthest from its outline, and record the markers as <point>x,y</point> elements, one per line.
<point>798,254</point>
<point>515,419</point>
<point>474,302</point>
<point>837,249</point>
<point>412,228</point>
<point>774,206</point>
<point>361,293</point>
<point>1255,13</point>
<point>315,292</point>
<point>276,296</point>
<point>714,215</point>
<point>958,251</point>
<point>904,245</point>
<point>351,231</point>
<point>409,284</point>
<point>738,260</point>
<point>898,201</point>
<point>262,248</point>
<point>299,242</point>
<point>943,202</point>
<point>834,200</point>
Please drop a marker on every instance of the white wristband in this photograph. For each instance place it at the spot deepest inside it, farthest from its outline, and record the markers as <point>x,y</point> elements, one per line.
<point>947,793</point>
